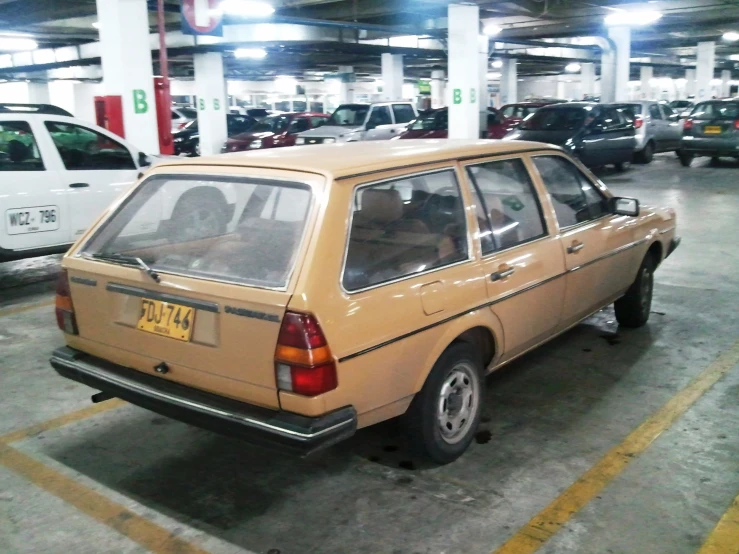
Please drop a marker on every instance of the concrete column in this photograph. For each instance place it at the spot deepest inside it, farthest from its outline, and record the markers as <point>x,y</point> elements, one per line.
<point>392,76</point>
<point>438,83</point>
<point>621,36</point>
<point>561,85</point>
<point>704,69</point>
<point>464,80</point>
<point>690,84</point>
<point>61,94</point>
<point>646,72</point>
<point>483,43</point>
<point>210,87</point>
<point>346,86</point>
<point>587,79</point>
<point>127,68</point>
<point>508,82</point>
<point>38,93</point>
<point>725,87</point>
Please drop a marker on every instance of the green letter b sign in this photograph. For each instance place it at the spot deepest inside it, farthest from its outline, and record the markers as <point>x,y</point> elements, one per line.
<point>457,97</point>
<point>140,104</point>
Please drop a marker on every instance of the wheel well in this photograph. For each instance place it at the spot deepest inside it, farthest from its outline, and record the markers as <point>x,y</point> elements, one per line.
<point>482,339</point>
<point>656,250</point>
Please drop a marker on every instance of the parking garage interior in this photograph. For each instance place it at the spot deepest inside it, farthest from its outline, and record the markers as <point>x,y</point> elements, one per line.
<point>605,440</point>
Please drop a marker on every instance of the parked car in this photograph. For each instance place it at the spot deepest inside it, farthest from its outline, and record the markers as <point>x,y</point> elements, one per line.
<point>516,113</point>
<point>181,116</point>
<point>658,128</point>
<point>682,107</point>
<point>187,140</point>
<point>353,122</point>
<point>54,187</point>
<point>342,285</point>
<point>275,131</point>
<point>435,124</point>
<point>596,134</point>
<point>711,129</point>
<point>49,109</point>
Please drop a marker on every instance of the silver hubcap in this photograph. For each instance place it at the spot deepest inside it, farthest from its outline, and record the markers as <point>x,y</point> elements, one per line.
<point>646,290</point>
<point>459,401</point>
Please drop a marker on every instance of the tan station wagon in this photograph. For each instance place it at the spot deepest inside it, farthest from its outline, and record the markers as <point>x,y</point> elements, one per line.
<point>292,296</point>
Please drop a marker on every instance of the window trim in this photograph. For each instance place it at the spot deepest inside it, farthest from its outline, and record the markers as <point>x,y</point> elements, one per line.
<point>35,142</point>
<point>470,255</point>
<point>546,231</point>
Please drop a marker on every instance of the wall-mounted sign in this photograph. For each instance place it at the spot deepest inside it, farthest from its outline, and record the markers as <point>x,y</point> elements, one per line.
<point>201,17</point>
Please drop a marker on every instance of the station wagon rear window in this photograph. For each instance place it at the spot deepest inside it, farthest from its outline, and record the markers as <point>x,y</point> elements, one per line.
<point>246,231</point>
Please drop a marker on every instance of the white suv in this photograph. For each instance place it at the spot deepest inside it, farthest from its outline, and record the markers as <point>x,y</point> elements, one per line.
<point>57,176</point>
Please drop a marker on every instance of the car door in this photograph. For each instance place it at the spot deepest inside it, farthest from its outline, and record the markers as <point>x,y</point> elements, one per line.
<point>403,114</point>
<point>96,168</point>
<point>673,128</point>
<point>522,263</point>
<point>379,124</point>
<point>597,245</point>
<point>33,204</point>
<point>656,127</point>
<point>610,139</point>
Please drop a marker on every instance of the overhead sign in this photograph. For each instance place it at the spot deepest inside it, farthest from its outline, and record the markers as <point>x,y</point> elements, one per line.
<point>201,17</point>
<point>424,87</point>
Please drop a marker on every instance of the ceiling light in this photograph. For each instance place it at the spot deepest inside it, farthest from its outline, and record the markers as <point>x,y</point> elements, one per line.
<point>494,76</point>
<point>17,44</point>
<point>734,57</point>
<point>491,29</point>
<point>731,36</point>
<point>96,24</point>
<point>497,64</point>
<point>246,8</point>
<point>632,18</point>
<point>572,67</point>
<point>250,53</point>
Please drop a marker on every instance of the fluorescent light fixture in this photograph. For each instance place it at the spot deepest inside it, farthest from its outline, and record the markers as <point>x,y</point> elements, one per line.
<point>494,76</point>
<point>734,57</point>
<point>250,53</point>
<point>491,29</point>
<point>96,24</point>
<point>632,18</point>
<point>731,36</point>
<point>497,64</point>
<point>246,8</point>
<point>17,44</point>
<point>572,67</point>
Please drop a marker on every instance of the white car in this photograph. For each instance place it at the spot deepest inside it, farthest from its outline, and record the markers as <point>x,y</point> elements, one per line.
<point>57,176</point>
<point>181,116</point>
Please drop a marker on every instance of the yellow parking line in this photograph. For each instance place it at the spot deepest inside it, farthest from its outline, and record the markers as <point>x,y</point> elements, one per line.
<point>724,539</point>
<point>25,308</point>
<point>550,520</point>
<point>60,421</point>
<point>137,528</point>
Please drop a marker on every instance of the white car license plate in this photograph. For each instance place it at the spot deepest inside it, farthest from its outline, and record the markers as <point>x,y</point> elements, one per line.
<point>38,219</point>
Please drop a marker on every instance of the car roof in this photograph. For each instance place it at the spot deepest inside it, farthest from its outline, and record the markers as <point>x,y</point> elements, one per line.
<point>24,116</point>
<point>563,105</point>
<point>355,158</point>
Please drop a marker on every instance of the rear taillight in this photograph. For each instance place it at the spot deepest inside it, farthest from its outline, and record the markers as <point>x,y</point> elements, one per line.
<point>638,122</point>
<point>65,318</point>
<point>303,361</point>
<point>736,124</point>
<point>688,125</point>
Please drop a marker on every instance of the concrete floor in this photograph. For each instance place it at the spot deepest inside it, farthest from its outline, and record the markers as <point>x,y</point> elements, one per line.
<point>550,416</point>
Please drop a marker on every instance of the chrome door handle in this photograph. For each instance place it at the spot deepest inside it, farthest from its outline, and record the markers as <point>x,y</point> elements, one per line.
<point>498,275</point>
<point>575,247</point>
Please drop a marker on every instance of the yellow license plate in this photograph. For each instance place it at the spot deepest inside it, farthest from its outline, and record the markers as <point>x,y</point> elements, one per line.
<point>712,130</point>
<point>166,319</point>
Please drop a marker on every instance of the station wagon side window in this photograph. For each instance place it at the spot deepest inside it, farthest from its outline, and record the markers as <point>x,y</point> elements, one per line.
<point>404,227</point>
<point>81,148</point>
<point>508,210</point>
<point>574,197</point>
<point>18,149</point>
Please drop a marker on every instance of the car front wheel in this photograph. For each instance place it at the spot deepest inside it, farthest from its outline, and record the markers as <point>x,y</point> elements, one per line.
<point>686,159</point>
<point>633,308</point>
<point>442,419</point>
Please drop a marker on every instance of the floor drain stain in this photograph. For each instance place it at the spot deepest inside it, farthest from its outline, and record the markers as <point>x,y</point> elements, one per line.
<point>612,339</point>
<point>483,437</point>
<point>405,480</point>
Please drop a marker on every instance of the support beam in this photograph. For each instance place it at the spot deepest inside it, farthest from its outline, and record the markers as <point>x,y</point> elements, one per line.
<point>464,80</point>
<point>646,74</point>
<point>704,69</point>
<point>346,86</point>
<point>438,86</point>
<point>509,81</point>
<point>392,76</point>
<point>210,88</point>
<point>38,93</point>
<point>725,87</point>
<point>621,36</point>
<point>690,84</point>
<point>483,42</point>
<point>587,79</point>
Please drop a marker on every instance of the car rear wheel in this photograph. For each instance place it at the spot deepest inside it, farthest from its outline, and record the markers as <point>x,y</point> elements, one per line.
<point>633,308</point>
<point>647,154</point>
<point>442,419</point>
<point>686,159</point>
<point>621,166</point>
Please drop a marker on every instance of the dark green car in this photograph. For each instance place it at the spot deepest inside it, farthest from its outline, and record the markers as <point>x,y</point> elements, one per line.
<point>711,129</point>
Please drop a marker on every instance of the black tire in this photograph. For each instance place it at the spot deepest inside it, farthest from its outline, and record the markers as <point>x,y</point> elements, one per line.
<point>199,215</point>
<point>453,389</point>
<point>685,158</point>
<point>647,154</point>
<point>621,166</point>
<point>633,308</point>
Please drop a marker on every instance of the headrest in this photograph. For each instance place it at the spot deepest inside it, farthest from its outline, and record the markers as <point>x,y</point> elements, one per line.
<point>382,206</point>
<point>17,151</point>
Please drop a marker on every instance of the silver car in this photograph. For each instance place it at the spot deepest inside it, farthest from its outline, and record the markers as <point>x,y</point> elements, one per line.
<point>658,128</point>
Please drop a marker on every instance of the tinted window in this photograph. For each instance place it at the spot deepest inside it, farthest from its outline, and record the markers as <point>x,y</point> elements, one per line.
<point>403,113</point>
<point>239,123</point>
<point>316,121</point>
<point>190,113</point>
<point>716,110</point>
<point>84,149</point>
<point>274,124</point>
<point>519,112</point>
<point>299,125</point>
<point>667,111</point>
<point>654,112</point>
<point>432,121</point>
<point>510,212</point>
<point>18,149</point>
<point>557,119</point>
<point>608,119</point>
<point>403,227</point>
<point>574,197</point>
<point>349,115</point>
<point>380,115</point>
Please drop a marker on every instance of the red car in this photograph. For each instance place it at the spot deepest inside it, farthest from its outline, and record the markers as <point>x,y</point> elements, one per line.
<point>274,131</point>
<point>516,113</point>
<point>435,124</point>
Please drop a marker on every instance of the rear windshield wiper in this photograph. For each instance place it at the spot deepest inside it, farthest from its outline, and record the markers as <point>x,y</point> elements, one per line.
<point>128,260</point>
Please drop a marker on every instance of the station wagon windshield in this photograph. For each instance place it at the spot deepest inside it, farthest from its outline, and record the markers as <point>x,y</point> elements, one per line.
<point>349,115</point>
<point>246,231</point>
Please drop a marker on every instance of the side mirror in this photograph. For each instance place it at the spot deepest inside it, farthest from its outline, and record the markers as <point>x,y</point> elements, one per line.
<point>625,206</point>
<point>144,160</point>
